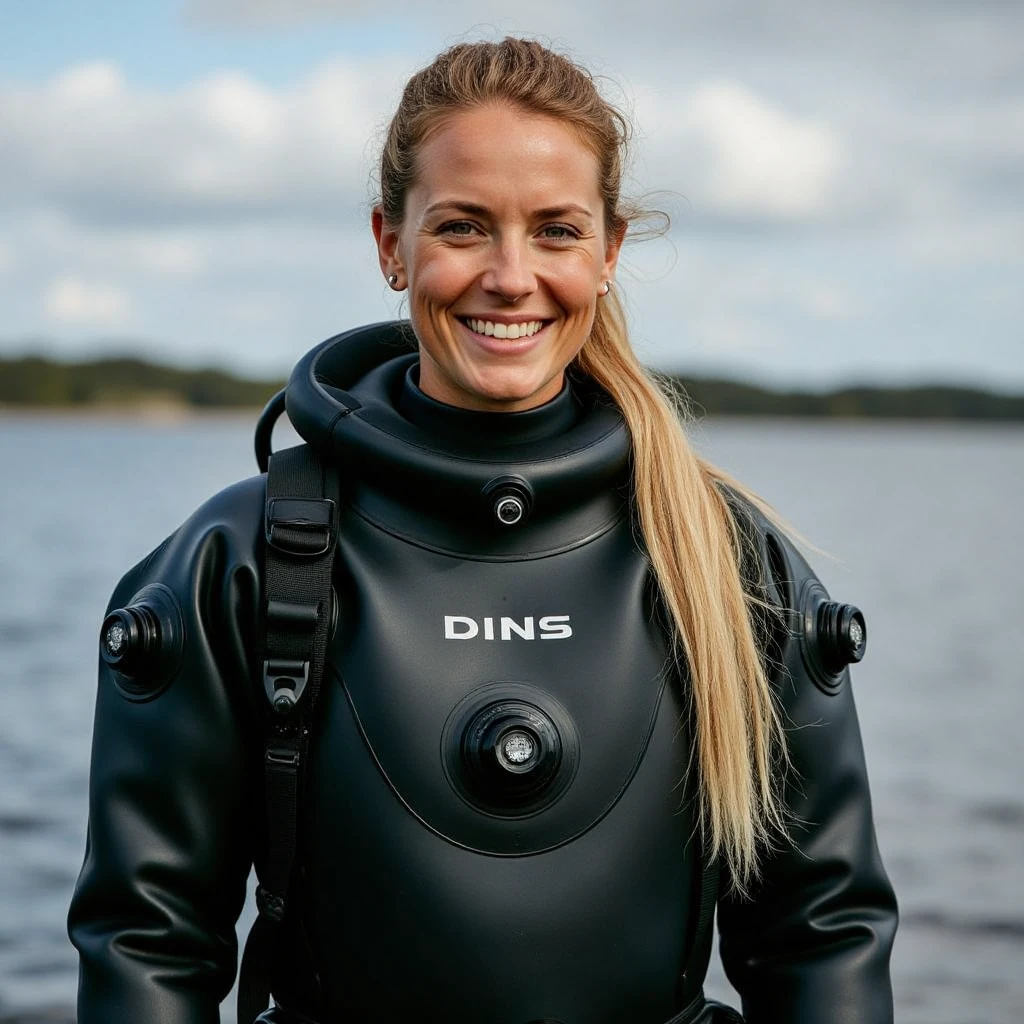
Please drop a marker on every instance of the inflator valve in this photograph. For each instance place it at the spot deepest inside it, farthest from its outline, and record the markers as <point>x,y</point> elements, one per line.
<point>509,509</point>
<point>842,635</point>
<point>831,636</point>
<point>128,637</point>
<point>511,751</point>
<point>142,642</point>
<point>510,499</point>
<point>517,751</point>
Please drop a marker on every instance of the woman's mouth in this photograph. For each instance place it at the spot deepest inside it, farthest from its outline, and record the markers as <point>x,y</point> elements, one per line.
<point>493,329</point>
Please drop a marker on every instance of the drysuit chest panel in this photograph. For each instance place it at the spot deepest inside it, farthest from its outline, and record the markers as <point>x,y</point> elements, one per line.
<point>438,899</point>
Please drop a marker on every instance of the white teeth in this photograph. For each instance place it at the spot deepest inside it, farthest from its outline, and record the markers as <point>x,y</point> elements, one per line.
<point>510,331</point>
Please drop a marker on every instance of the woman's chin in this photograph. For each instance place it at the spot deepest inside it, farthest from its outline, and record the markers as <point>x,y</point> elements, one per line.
<point>490,389</point>
<point>514,392</point>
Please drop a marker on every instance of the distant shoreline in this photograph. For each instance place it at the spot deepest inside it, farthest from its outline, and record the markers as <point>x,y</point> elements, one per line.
<point>186,415</point>
<point>129,414</point>
<point>125,388</point>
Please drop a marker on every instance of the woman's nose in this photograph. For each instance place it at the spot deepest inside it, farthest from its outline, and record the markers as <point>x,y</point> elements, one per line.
<point>510,274</point>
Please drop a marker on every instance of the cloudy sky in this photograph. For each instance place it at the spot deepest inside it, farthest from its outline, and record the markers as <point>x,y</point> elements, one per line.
<point>192,178</point>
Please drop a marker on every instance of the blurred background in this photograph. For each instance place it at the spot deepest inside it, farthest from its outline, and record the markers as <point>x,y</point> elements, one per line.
<point>187,183</point>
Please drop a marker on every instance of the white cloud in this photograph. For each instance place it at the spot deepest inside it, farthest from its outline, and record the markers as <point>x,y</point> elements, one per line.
<point>162,253</point>
<point>739,156</point>
<point>256,310</point>
<point>240,110</point>
<point>272,12</point>
<point>88,83</point>
<point>47,239</point>
<point>70,300</point>
<point>827,302</point>
<point>978,41</point>
<point>725,334</point>
<point>224,147</point>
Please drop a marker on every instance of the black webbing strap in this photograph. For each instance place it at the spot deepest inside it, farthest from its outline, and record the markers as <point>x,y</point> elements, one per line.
<point>301,535</point>
<point>691,982</point>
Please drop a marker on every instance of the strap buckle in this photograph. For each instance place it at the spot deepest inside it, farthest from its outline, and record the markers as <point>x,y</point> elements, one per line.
<point>269,905</point>
<point>284,683</point>
<point>303,527</point>
<point>282,757</point>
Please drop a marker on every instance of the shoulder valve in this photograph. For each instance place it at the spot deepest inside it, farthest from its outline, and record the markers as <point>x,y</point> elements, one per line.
<point>830,635</point>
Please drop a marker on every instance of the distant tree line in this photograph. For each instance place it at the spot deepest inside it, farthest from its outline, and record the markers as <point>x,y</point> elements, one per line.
<point>715,397</point>
<point>38,382</point>
<point>34,381</point>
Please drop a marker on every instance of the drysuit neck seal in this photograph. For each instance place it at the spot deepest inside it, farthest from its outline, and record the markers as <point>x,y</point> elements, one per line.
<point>549,420</point>
<point>506,485</point>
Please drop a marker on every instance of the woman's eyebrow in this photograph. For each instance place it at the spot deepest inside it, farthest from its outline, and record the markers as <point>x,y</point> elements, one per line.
<point>476,210</point>
<point>561,211</point>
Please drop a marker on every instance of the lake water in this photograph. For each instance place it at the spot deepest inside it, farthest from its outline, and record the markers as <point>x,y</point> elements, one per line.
<point>922,525</point>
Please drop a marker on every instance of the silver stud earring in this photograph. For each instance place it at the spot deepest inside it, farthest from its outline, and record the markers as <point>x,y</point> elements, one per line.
<point>392,280</point>
<point>607,288</point>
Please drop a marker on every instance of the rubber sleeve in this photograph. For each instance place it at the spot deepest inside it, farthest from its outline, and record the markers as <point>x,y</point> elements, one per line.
<point>811,943</point>
<point>173,788</point>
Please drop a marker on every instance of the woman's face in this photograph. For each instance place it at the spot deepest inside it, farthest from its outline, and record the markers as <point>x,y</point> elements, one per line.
<point>505,253</point>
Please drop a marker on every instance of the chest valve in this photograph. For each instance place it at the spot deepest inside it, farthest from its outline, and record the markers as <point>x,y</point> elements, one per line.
<point>510,750</point>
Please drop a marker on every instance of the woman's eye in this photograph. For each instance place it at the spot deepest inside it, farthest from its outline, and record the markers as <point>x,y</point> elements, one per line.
<point>461,228</point>
<point>558,231</point>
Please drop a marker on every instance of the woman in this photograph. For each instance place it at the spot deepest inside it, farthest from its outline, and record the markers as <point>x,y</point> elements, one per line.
<point>576,679</point>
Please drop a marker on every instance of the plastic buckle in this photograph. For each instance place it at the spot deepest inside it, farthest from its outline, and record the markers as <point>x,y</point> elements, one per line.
<point>286,757</point>
<point>284,683</point>
<point>268,905</point>
<point>300,526</point>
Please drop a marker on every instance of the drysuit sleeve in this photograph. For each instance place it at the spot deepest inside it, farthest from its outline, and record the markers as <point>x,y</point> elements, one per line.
<point>811,943</point>
<point>174,778</point>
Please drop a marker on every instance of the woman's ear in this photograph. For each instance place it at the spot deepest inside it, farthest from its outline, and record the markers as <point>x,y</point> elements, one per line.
<point>611,252</point>
<point>387,249</point>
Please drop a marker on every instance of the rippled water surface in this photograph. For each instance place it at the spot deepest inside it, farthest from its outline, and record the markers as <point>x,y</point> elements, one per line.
<point>923,526</point>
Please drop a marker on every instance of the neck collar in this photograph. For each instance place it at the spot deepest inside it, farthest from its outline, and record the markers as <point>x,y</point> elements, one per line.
<point>432,473</point>
<point>503,428</point>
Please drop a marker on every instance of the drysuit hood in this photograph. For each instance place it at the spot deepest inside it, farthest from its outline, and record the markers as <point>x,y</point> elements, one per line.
<point>438,473</point>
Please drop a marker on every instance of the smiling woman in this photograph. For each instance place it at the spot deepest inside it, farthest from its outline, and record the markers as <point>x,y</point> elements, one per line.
<point>505,257</point>
<point>505,718</point>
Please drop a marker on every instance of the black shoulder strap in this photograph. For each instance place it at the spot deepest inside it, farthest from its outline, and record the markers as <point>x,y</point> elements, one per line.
<point>698,954</point>
<point>301,537</point>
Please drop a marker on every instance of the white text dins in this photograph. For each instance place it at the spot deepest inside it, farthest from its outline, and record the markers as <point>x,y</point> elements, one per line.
<point>548,627</point>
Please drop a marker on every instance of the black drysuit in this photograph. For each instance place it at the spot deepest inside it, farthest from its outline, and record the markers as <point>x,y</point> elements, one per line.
<point>430,889</point>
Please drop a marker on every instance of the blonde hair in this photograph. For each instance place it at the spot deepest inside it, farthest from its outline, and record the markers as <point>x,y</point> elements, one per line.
<point>691,537</point>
